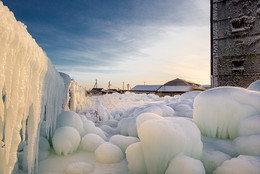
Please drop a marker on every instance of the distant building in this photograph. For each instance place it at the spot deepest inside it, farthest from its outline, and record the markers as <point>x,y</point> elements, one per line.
<point>235,42</point>
<point>171,88</point>
<point>96,91</point>
<point>177,87</point>
<point>148,89</point>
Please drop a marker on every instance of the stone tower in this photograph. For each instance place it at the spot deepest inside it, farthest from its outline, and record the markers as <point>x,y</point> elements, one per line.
<point>235,42</point>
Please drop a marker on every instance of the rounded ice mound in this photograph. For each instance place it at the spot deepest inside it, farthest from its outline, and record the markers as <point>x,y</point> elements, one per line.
<point>135,158</point>
<point>248,145</point>
<point>123,141</point>
<point>98,131</point>
<point>44,147</point>
<point>69,118</point>
<point>255,86</point>
<point>218,111</point>
<point>189,95</point>
<point>212,159</point>
<point>163,139</point>
<point>65,140</point>
<point>90,142</point>
<point>145,117</point>
<point>240,165</point>
<point>182,164</point>
<point>79,168</point>
<point>127,126</point>
<point>108,153</point>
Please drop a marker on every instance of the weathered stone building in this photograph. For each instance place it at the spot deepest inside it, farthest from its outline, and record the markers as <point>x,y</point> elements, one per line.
<point>235,42</point>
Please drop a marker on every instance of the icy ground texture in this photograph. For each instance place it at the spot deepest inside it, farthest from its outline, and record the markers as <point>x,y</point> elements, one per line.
<point>147,134</point>
<point>32,92</point>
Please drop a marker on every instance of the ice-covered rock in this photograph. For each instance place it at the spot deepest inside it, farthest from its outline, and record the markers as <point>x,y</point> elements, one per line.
<point>65,140</point>
<point>123,141</point>
<point>90,142</point>
<point>71,119</point>
<point>108,153</point>
<point>182,164</point>
<point>255,86</point>
<point>240,165</point>
<point>218,111</point>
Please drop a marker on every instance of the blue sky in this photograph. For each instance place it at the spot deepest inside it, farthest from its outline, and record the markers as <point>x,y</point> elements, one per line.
<point>130,41</point>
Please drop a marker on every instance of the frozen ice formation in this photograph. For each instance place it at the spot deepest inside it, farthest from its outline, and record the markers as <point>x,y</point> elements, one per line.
<point>108,153</point>
<point>90,142</point>
<point>65,140</point>
<point>182,164</point>
<point>32,91</point>
<point>123,141</point>
<point>135,158</point>
<point>164,138</point>
<point>70,118</point>
<point>240,165</point>
<point>219,111</point>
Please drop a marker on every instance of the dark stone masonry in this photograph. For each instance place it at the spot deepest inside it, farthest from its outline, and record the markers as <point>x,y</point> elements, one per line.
<point>235,42</point>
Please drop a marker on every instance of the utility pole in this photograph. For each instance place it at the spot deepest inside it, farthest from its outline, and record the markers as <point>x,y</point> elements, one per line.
<point>109,84</point>
<point>128,86</point>
<point>144,83</point>
<point>95,86</point>
<point>123,86</point>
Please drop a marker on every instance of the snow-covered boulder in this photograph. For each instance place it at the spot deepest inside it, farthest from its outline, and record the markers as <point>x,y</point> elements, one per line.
<point>219,111</point>
<point>65,140</point>
<point>108,153</point>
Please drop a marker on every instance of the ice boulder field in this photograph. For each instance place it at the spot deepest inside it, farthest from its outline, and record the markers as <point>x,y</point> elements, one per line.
<point>49,126</point>
<point>149,134</point>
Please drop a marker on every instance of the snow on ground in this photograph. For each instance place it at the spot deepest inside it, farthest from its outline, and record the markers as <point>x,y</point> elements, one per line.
<point>137,133</point>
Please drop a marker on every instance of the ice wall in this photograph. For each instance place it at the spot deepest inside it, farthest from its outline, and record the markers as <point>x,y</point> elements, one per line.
<point>32,91</point>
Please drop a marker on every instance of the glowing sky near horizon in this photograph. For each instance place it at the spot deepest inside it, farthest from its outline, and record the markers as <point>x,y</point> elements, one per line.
<point>130,41</point>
